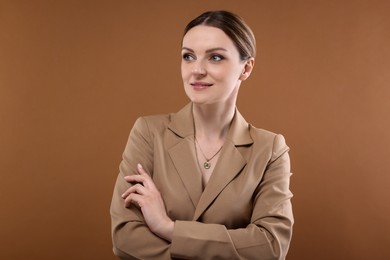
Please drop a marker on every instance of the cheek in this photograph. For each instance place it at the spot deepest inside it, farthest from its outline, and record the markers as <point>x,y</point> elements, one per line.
<point>184,71</point>
<point>227,74</point>
<point>217,73</point>
<point>236,72</point>
<point>228,71</point>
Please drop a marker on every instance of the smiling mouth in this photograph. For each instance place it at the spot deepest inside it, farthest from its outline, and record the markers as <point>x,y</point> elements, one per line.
<point>200,85</point>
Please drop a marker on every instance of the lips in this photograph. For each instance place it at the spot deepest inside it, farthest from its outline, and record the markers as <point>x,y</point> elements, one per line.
<point>200,85</point>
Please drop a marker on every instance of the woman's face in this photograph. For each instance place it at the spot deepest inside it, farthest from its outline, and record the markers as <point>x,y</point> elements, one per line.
<point>211,67</point>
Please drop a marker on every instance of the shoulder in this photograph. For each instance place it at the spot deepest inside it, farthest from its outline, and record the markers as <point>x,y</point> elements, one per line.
<point>259,134</point>
<point>273,142</point>
<point>180,123</point>
<point>152,123</point>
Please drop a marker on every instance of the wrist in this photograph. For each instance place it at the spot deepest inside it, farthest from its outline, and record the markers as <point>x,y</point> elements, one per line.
<point>166,230</point>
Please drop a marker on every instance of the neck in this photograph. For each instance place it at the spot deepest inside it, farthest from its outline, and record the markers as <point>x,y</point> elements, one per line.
<point>212,122</point>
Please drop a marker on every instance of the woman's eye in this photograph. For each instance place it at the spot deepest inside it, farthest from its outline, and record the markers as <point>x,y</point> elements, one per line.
<point>216,58</point>
<point>188,57</point>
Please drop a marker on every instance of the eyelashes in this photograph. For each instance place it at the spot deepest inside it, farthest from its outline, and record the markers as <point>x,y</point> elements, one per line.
<point>217,57</point>
<point>188,57</point>
<point>212,57</point>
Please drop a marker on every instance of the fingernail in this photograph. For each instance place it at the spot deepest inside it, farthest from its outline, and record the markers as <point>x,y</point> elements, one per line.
<point>139,166</point>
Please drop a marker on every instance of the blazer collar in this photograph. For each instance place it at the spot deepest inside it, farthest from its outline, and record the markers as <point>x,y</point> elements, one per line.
<point>182,124</point>
<point>182,152</point>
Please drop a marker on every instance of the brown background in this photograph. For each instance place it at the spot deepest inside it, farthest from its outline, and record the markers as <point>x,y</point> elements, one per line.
<point>74,75</point>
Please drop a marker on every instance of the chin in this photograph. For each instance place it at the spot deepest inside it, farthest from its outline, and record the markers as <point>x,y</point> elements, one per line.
<point>197,99</point>
<point>202,102</point>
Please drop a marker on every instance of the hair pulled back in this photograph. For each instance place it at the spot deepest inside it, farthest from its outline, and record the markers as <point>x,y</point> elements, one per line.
<point>233,26</point>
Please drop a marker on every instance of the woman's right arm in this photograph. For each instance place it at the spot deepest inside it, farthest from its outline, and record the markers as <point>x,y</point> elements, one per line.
<point>132,238</point>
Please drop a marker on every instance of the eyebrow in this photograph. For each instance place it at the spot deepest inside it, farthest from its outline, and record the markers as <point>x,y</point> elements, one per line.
<point>207,51</point>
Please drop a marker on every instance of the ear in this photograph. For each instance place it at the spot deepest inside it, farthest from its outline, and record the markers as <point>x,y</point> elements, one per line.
<point>246,72</point>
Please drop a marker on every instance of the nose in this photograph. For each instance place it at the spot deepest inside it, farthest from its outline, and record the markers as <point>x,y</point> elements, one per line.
<point>198,69</point>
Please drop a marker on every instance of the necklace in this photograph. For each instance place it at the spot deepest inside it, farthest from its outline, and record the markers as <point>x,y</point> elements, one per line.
<point>207,163</point>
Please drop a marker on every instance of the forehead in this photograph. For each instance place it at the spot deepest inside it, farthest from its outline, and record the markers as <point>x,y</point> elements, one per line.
<point>206,37</point>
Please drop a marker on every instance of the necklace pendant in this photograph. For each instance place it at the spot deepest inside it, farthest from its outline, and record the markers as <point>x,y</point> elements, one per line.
<point>207,165</point>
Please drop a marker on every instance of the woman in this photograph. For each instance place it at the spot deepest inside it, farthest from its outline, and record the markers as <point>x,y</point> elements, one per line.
<point>203,183</point>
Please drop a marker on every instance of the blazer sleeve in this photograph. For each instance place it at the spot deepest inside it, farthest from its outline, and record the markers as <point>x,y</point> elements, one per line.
<point>131,237</point>
<point>266,237</point>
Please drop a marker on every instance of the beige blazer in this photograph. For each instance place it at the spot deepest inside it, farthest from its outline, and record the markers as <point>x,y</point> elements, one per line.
<point>244,212</point>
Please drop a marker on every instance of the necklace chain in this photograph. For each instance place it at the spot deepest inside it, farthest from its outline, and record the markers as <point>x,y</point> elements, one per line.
<point>207,163</point>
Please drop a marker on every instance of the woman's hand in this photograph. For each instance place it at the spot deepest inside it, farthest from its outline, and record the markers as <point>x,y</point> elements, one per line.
<point>145,195</point>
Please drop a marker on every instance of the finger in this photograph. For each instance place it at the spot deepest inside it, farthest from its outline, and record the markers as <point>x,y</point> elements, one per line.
<point>137,188</point>
<point>148,182</point>
<point>141,170</point>
<point>136,178</point>
<point>134,199</point>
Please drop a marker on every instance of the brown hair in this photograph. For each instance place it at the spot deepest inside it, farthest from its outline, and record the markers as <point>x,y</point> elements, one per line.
<point>233,26</point>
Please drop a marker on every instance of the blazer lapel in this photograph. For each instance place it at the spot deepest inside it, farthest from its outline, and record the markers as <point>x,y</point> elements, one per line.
<point>182,156</point>
<point>229,165</point>
<point>181,149</point>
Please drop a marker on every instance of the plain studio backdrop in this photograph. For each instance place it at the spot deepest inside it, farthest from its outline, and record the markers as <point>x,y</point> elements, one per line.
<point>74,75</point>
